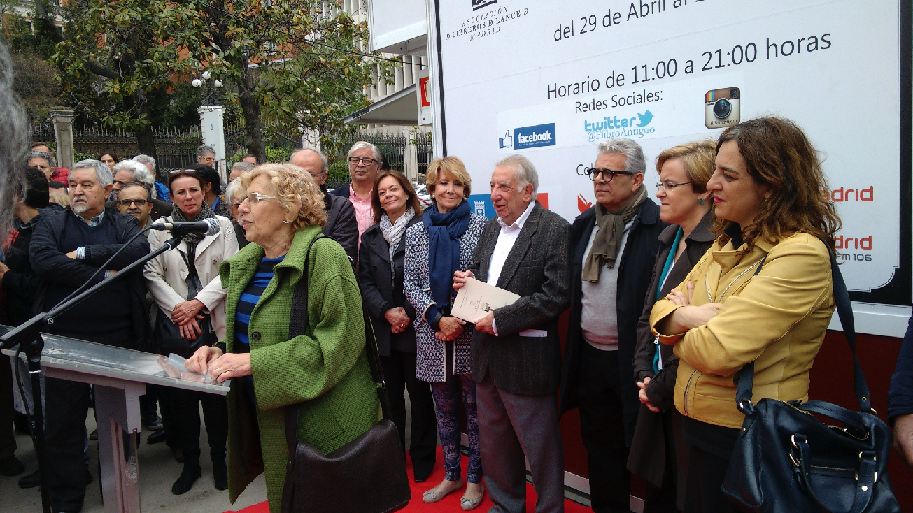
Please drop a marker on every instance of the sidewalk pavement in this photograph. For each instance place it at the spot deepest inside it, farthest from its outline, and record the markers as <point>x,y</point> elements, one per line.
<point>157,472</point>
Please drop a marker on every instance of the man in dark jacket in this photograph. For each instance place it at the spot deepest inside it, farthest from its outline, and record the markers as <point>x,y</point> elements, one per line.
<point>341,224</point>
<point>68,248</point>
<point>614,245</point>
<point>516,353</point>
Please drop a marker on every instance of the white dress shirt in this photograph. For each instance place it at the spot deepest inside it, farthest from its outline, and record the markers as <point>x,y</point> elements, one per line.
<point>506,239</point>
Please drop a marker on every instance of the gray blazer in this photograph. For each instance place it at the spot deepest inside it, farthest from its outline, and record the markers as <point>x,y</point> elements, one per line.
<point>537,269</point>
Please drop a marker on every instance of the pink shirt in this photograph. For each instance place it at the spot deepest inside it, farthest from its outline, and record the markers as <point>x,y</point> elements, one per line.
<point>364,214</point>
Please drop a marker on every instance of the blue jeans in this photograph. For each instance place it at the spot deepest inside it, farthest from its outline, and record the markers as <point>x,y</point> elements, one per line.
<point>447,398</point>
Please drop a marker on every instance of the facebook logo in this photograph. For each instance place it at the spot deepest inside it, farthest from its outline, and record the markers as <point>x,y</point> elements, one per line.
<point>534,136</point>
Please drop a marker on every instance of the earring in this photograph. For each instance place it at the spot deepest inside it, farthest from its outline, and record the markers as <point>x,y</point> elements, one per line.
<point>700,201</point>
<point>286,221</point>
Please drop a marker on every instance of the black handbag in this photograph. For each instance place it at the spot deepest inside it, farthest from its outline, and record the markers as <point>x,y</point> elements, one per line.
<point>368,474</point>
<point>786,459</point>
<point>167,335</point>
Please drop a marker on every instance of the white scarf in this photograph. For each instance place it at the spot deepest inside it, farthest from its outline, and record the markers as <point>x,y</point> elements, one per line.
<point>393,232</point>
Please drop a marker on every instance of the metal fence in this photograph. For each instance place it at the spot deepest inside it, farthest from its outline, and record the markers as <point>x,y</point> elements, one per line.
<point>177,148</point>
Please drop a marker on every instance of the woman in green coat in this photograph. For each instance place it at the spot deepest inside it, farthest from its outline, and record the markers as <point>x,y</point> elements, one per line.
<point>325,370</point>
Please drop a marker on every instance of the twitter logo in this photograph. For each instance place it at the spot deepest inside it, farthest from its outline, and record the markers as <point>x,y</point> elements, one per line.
<point>645,118</point>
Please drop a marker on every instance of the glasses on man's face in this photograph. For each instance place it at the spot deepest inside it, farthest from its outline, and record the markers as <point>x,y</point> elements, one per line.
<point>364,161</point>
<point>255,197</point>
<point>607,175</point>
<point>668,185</point>
<point>127,202</point>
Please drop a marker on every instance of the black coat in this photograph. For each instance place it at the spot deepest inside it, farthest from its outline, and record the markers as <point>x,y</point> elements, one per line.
<point>20,284</point>
<point>53,266</point>
<point>634,271</point>
<point>380,291</point>
<point>662,386</point>
<point>648,448</point>
<point>341,223</point>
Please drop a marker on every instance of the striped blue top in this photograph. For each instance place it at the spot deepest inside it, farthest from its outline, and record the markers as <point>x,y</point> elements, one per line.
<point>246,303</point>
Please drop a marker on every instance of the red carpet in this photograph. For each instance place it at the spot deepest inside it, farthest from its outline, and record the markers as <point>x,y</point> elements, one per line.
<point>451,503</point>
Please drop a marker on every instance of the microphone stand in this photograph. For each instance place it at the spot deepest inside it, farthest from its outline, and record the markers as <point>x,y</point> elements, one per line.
<point>28,336</point>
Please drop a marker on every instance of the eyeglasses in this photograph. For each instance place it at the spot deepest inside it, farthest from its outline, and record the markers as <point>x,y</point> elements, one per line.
<point>593,172</point>
<point>668,185</point>
<point>255,197</point>
<point>127,202</point>
<point>365,161</point>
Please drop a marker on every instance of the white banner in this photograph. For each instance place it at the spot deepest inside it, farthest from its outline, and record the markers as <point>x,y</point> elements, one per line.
<point>552,79</point>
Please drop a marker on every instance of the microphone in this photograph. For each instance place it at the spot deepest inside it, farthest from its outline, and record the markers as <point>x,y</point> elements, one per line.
<point>209,226</point>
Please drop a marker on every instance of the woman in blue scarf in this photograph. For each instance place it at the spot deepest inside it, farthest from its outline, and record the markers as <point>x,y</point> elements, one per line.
<point>441,244</point>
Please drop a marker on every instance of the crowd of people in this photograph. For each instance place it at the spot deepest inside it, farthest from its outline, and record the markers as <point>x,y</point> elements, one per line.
<point>668,299</point>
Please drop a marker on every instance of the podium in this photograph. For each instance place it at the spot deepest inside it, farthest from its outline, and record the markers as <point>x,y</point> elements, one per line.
<point>119,377</point>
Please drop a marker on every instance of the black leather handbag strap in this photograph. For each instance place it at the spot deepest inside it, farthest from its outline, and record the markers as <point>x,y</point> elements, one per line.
<point>745,377</point>
<point>298,326</point>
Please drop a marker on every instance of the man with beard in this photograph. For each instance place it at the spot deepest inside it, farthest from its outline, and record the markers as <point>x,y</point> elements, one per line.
<point>68,248</point>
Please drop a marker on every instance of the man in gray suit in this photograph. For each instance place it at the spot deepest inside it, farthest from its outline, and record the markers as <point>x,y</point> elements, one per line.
<point>516,359</point>
<point>341,223</point>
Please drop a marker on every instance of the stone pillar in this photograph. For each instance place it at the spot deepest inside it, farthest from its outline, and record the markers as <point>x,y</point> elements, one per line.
<point>63,133</point>
<point>410,157</point>
<point>214,134</point>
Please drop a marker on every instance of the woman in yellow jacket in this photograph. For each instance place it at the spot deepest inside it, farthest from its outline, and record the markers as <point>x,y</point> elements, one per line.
<point>773,215</point>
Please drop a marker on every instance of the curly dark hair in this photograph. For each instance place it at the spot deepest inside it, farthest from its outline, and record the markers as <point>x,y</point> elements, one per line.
<point>779,156</point>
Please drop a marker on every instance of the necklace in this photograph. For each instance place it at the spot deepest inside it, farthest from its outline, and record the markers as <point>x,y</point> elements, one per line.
<point>730,283</point>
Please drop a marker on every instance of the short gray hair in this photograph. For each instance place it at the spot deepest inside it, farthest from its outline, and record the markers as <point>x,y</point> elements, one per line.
<point>365,144</point>
<point>243,166</point>
<point>634,154</point>
<point>203,149</point>
<point>526,171</point>
<point>105,176</point>
<point>144,159</point>
<point>41,155</point>
<point>140,173</point>
<point>323,158</point>
<point>233,187</point>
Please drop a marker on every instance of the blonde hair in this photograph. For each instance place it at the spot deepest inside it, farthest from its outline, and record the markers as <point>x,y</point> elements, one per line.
<point>294,186</point>
<point>453,167</point>
<point>698,157</point>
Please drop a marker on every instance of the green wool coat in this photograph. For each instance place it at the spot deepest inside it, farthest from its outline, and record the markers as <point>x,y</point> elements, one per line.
<point>326,370</point>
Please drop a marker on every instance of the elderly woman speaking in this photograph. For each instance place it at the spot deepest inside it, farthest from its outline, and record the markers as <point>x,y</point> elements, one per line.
<point>325,369</point>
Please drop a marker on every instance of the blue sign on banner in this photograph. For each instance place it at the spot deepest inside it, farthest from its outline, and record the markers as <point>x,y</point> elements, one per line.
<point>534,136</point>
<point>481,205</point>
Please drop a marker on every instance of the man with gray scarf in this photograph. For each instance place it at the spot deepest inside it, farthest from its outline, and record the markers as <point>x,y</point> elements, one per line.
<point>614,245</point>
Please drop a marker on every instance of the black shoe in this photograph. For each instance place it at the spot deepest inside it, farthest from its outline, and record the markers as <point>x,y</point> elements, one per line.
<point>21,423</point>
<point>11,466</point>
<point>184,483</point>
<point>421,475</point>
<point>220,475</point>
<point>156,437</point>
<point>152,422</point>
<point>30,481</point>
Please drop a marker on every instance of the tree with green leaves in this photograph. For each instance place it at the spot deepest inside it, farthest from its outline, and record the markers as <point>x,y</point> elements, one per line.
<point>114,67</point>
<point>296,66</point>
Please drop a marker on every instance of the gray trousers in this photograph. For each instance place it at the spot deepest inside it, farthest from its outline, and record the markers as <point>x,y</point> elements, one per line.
<point>511,426</point>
